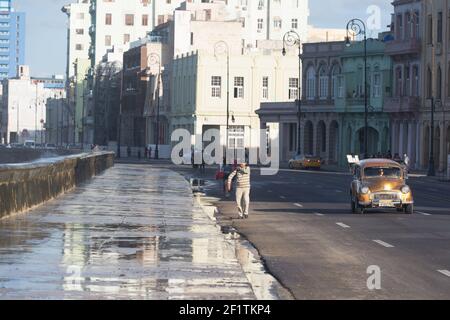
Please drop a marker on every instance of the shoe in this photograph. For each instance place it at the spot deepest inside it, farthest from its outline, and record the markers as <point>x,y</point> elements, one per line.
<point>241,216</point>
<point>245,216</point>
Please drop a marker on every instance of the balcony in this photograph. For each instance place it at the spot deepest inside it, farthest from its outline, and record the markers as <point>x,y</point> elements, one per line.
<point>409,46</point>
<point>402,104</point>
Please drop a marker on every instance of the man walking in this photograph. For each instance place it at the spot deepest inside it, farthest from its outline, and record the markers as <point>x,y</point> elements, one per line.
<point>242,174</point>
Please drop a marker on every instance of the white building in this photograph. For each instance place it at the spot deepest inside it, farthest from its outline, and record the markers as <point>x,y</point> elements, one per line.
<point>78,39</point>
<point>270,19</point>
<point>25,102</point>
<point>199,94</point>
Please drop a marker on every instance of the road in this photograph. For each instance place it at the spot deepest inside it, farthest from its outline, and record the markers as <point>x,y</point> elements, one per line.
<point>301,224</point>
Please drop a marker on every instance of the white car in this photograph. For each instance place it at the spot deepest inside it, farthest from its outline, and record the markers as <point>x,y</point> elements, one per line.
<point>29,144</point>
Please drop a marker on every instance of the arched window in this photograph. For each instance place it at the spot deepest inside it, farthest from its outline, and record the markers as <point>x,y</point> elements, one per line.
<point>415,83</point>
<point>398,82</point>
<point>310,83</point>
<point>323,83</point>
<point>336,82</point>
<point>376,83</point>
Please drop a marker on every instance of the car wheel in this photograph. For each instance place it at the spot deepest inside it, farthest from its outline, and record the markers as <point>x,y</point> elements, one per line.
<point>409,209</point>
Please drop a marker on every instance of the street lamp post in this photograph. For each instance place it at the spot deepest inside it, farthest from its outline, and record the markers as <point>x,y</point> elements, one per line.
<point>358,27</point>
<point>220,48</point>
<point>292,38</point>
<point>155,59</point>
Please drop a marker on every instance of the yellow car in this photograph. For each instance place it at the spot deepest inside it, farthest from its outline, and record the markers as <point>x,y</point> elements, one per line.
<point>380,183</point>
<point>305,162</point>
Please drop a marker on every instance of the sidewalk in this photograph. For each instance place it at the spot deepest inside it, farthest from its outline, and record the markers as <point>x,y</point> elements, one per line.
<point>134,232</point>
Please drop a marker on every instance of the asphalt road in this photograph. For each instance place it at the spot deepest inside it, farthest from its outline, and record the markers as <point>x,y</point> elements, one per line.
<point>303,228</point>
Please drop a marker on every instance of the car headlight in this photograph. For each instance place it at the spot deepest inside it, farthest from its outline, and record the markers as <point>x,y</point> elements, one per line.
<point>405,190</point>
<point>365,190</point>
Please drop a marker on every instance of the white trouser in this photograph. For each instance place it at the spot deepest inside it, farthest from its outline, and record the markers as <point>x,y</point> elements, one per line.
<point>243,200</point>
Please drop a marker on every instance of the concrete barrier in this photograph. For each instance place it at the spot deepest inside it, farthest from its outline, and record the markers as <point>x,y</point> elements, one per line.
<point>23,186</point>
<point>17,155</point>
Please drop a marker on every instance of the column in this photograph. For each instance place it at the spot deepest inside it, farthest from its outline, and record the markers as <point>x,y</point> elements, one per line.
<point>418,162</point>
<point>400,138</point>
<point>411,144</point>
<point>443,156</point>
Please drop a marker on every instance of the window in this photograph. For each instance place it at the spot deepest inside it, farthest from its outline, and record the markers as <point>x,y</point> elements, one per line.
<point>126,38</point>
<point>216,87</point>
<point>323,84</point>
<point>294,23</point>
<point>311,84</point>
<point>277,23</point>
<point>80,16</point>
<point>398,82</point>
<point>108,19</point>
<point>399,26</point>
<point>335,82</point>
<point>78,47</point>
<point>407,89</point>
<point>377,85</point>
<point>429,83</point>
<point>239,87</point>
<point>293,88</point>
<point>415,87</point>
<point>107,41</point>
<point>145,19</point>
<point>430,29</point>
<point>439,83</point>
<point>260,24</point>
<point>265,88</point>
<point>79,31</point>
<point>439,28</point>
<point>129,19</point>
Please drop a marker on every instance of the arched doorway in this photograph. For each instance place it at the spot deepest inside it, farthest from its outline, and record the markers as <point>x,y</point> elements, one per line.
<point>321,145</point>
<point>372,141</point>
<point>308,138</point>
<point>334,142</point>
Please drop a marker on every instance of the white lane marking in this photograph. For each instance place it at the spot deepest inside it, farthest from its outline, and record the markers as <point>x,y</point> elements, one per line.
<point>343,225</point>
<point>384,244</point>
<point>282,197</point>
<point>298,205</point>
<point>339,191</point>
<point>445,272</point>
<point>269,191</point>
<point>424,213</point>
<point>318,214</point>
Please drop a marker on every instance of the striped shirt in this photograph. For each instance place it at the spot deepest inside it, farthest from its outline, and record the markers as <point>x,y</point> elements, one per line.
<point>242,177</point>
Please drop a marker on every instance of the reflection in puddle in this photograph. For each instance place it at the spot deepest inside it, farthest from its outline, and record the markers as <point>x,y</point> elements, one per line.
<point>132,233</point>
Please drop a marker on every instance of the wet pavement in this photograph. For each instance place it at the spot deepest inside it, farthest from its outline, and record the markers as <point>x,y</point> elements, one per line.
<point>132,233</point>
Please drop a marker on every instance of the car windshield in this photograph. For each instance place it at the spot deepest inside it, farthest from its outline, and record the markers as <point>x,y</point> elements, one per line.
<point>386,172</point>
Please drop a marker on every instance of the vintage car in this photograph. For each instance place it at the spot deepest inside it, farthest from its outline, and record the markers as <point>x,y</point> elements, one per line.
<point>380,183</point>
<point>305,162</point>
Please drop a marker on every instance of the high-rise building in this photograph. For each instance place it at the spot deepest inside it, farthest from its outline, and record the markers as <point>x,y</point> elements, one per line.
<point>12,39</point>
<point>78,39</point>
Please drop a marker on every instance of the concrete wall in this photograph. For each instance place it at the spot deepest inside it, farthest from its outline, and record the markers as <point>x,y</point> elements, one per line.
<point>23,186</point>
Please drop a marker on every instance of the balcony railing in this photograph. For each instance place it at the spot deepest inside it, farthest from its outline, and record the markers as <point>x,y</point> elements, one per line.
<point>402,104</point>
<point>409,46</point>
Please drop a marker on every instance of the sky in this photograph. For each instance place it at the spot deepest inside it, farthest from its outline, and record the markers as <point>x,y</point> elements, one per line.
<point>46,33</point>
